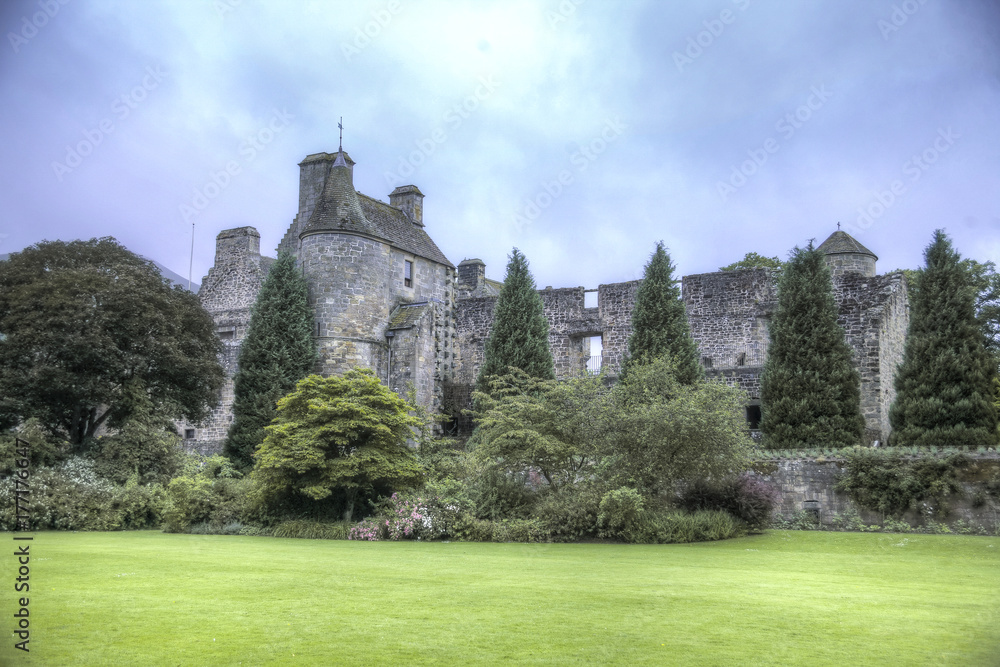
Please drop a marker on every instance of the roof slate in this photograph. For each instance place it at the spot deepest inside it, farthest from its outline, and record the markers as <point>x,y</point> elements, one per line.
<point>341,208</point>
<point>407,315</point>
<point>842,242</point>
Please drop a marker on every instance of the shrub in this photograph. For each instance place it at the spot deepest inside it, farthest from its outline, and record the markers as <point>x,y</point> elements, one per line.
<point>189,501</point>
<point>883,481</point>
<point>470,529</point>
<point>43,449</point>
<point>72,496</point>
<point>371,529</point>
<point>622,513</point>
<point>706,525</point>
<point>143,448</point>
<point>314,530</point>
<point>571,514</point>
<point>519,530</point>
<point>746,498</point>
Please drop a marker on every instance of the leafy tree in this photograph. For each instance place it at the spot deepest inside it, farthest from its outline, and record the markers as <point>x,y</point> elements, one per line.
<point>661,433</point>
<point>659,321</point>
<point>547,425</point>
<point>277,352</point>
<point>944,389</point>
<point>754,261</point>
<point>87,327</point>
<point>344,433</point>
<point>519,335</point>
<point>986,283</point>
<point>810,391</point>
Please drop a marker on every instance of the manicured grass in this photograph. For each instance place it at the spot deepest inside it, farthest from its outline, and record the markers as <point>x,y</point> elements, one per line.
<point>785,598</point>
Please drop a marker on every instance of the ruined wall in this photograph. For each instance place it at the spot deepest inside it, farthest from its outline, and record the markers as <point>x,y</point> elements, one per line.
<point>728,313</point>
<point>872,311</point>
<point>228,293</point>
<point>615,302</point>
<point>570,327</point>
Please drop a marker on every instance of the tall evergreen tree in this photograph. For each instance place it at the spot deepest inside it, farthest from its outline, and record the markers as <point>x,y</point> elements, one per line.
<point>277,352</point>
<point>519,335</point>
<point>944,385</point>
<point>659,321</point>
<point>810,391</point>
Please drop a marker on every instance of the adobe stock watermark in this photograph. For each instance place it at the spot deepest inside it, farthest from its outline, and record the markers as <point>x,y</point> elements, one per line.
<point>452,120</point>
<point>550,190</point>
<point>788,125</point>
<point>901,13</point>
<point>913,169</point>
<point>363,35</point>
<point>219,180</point>
<point>22,518</point>
<point>224,7</point>
<point>704,39</point>
<point>562,13</point>
<point>31,25</point>
<point>121,108</point>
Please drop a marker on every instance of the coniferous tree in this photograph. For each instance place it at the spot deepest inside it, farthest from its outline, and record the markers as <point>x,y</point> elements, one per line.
<point>810,390</point>
<point>519,335</point>
<point>944,387</point>
<point>277,352</point>
<point>659,321</point>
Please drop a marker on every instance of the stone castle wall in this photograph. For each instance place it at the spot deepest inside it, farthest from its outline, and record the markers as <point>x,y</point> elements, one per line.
<point>801,480</point>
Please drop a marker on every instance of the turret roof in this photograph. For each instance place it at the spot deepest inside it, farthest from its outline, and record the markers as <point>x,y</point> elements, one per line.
<point>342,209</point>
<point>842,243</point>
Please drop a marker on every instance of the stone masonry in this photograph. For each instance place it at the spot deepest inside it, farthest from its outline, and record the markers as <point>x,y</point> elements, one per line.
<point>386,298</point>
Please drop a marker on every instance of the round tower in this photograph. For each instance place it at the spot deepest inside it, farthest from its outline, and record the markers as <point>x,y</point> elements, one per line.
<point>348,271</point>
<point>845,255</point>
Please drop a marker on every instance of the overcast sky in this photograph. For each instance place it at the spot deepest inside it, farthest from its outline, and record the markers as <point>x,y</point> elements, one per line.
<point>580,131</point>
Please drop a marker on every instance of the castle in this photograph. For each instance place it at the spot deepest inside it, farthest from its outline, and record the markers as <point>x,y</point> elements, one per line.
<point>386,298</point>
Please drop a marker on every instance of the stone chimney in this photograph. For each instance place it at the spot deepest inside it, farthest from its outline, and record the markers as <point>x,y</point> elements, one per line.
<point>471,273</point>
<point>234,245</point>
<point>411,201</point>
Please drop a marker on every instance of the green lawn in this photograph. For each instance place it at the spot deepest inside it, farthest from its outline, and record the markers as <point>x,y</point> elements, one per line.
<point>785,598</point>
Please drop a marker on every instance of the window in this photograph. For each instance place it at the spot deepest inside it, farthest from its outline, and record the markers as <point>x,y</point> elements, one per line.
<point>407,273</point>
<point>590,298</point>
<point>189,434</point>
<point>226,333</point>
<point>753,417</point>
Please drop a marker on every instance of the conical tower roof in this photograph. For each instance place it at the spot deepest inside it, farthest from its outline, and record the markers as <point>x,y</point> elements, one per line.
<point>339,208</point>
<point>841,243</point>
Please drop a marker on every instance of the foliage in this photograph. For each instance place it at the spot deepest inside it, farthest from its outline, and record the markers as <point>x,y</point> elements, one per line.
<point>986,284</point>
<point>883,481</point>
<point>497,492</point>
<point>88,327</point>
<point>754,261</point>
<point>659,321</point>
<point>944,389</point>
<point>571,514</point>
<point>519,334</point>
<point>343,433</point>
<point>622,513</point>
<point>208,491</point>
<point>277,352</point>
<point>72,496</point>
<point>408,517</point>
<point>43,448</point>
<point>145,448</point>
<point>810,391</point>
<point>746,498</point>
<point>660,432</point>
<point>546,425</point>
<point>313,530</point>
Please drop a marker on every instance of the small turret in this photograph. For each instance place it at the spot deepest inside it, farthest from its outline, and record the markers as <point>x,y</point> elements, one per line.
<point>845,255</point>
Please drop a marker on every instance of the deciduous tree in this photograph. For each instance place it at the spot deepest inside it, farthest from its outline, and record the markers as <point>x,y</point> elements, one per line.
<point>87,326</point>
<point>343,433</point>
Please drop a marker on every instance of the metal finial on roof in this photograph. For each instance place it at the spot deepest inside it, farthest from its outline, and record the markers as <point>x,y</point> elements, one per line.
<point>838,226</point>
<point>341,126</point>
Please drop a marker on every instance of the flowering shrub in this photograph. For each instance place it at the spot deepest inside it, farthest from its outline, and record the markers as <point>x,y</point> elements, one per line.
<point>369,530</point>
<point>408,518</point>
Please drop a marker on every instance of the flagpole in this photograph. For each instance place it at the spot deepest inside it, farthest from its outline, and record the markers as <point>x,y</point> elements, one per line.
<point>191,261</point>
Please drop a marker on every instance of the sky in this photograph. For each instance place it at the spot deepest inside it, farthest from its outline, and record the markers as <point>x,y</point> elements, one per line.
<point>579,131</point>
